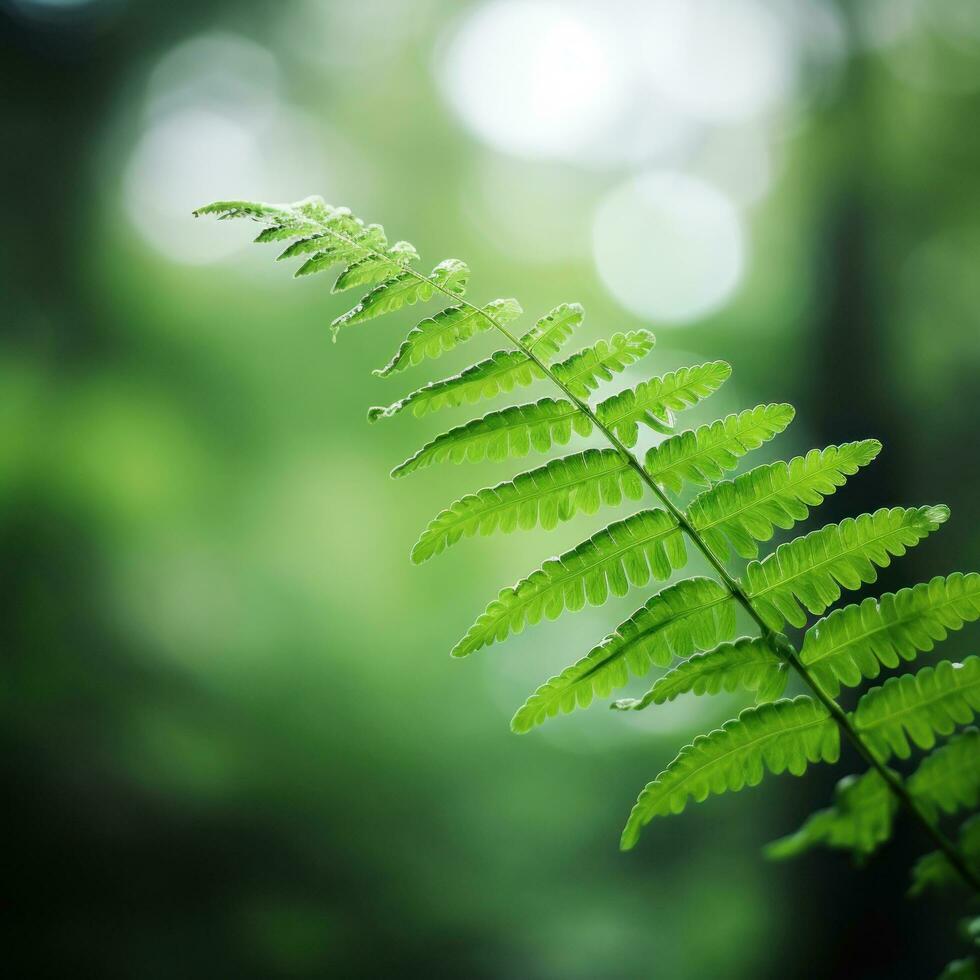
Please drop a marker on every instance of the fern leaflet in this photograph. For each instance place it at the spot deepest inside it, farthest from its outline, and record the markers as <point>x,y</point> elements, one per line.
<point>447,329</point>
<point>700,456</point>
<point>749,508</point>
<point>948,779</point>
<point>627,553</point>
<point>749,664</point>
<point>513,431</point>
<point>692,615</point>
<point>778,736</point>
<point>654,402</point>
<point>552,493</point>
<point>918,707</point>
<point>859,821</point>
<point>810,571</point>
<point>933,870</point>
<point>856,642</point>
<point>584,371</point>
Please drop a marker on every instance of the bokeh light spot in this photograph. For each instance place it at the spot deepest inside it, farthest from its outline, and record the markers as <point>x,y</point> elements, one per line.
<point>669,246</point>
<point>717,60</point>
<point>536,79</point>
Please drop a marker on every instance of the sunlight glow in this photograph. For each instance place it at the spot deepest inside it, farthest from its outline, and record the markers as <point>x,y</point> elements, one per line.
<point>535,79</point>
<point>669,246</point>
<point>717,60</point>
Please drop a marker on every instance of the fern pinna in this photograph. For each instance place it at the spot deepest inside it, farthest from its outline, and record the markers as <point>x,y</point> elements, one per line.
<point>688,627</point>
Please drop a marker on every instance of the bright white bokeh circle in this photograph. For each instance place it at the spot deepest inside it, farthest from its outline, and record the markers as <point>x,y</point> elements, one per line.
<point>718,61</point>
<point>668,246</point>
<point>534,78</point>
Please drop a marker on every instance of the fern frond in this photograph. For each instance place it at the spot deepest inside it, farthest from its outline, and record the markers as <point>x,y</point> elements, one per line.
<point>859,821</point>
<point>406,289</point>
<point>749,664</point>
<point>692,615</point>
<point>702,455</point>
<point>965,969</point>
<point>500,373</point>
<point>933,870</point>
<point>750,507</point>
<point>948,778</point>
<point>654,402</point>
<point>447,329</point>
<point>513,431</point>
<point>810,571</point>
<point>555,492</point>
<point>585,370</point>
<point>334,233</point>
<point>630,552</point>
<point>549,334</point>
<point>855,642</point>
<point>919,707</point>
<point>778,736</point>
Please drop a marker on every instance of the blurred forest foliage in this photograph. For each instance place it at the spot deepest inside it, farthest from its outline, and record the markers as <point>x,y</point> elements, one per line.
<point>235,743</point>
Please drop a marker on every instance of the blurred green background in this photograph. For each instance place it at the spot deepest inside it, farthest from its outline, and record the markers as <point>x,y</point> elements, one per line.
<point>235,745</point>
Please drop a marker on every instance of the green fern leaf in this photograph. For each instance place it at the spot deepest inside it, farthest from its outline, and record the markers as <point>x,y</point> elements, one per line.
<point>749,664</point>
<point>405,289</point>
<point>630,552</point>
<point>779,736</point>
<point>933,870</point>
<point>859,821</point>
<point>811,570</point>
<point>447,329</point>
<point>919,707</point>
<point>692,615</point>
<point>513,431</point>
<point>949,777</point>
<point>501,372</point>
<point>966,969</point>
<point>702,455</point>
<point>330,250</point>
<point>584,371</point>
<point>547,336</point>
<point>275,214</point>
<point>654,402</point>
<point>750,507</point>
<point>376,268</point>
<point>548,495</point>
<point>855,642</point>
